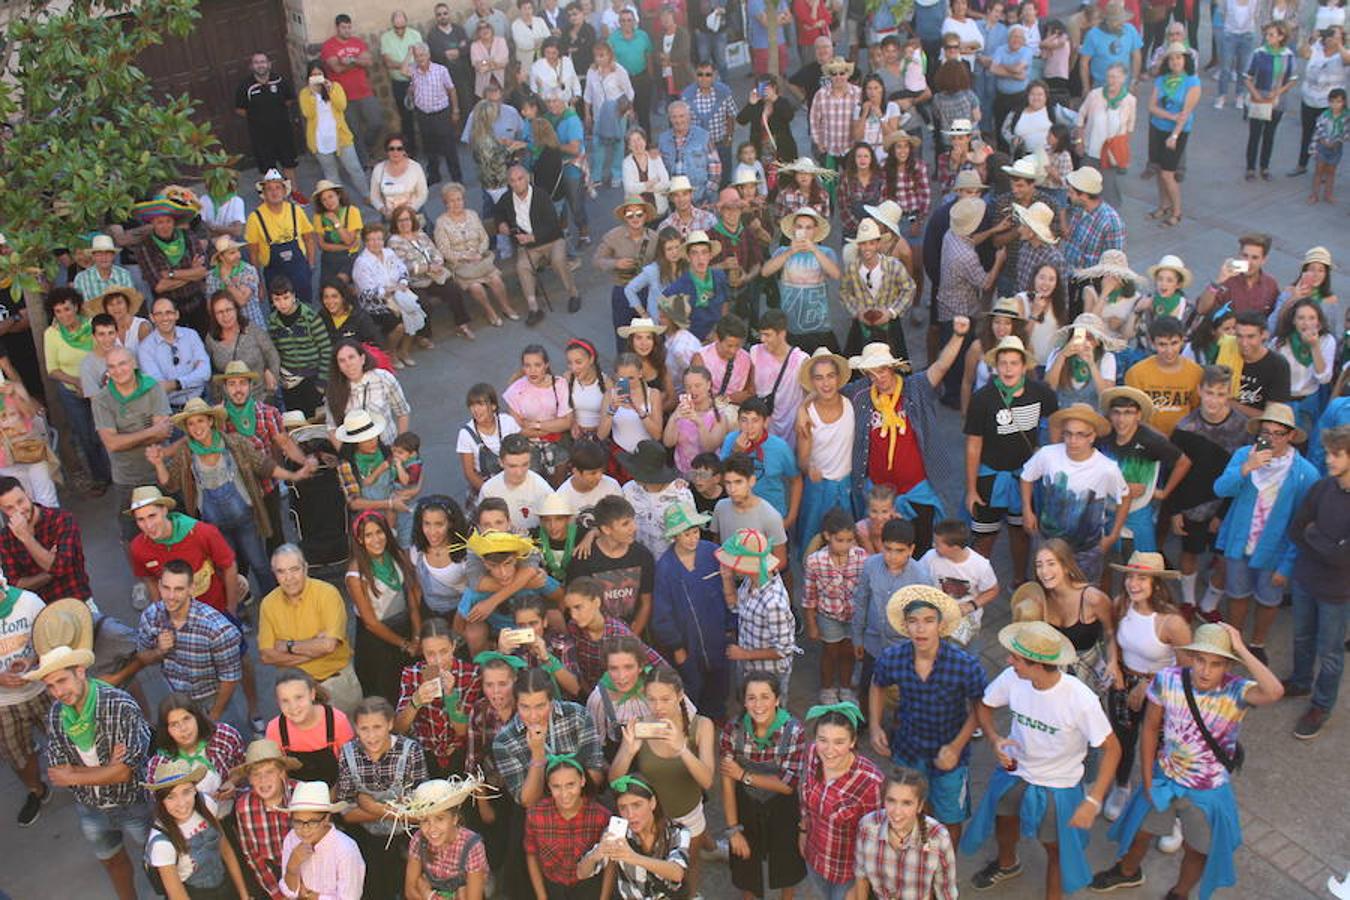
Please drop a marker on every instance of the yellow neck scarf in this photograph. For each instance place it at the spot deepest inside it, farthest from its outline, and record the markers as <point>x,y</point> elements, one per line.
<point>893,422</point>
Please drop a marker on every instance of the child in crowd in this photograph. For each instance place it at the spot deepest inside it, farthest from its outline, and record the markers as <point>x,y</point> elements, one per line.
<point>588,482</point>
<point>742,508</point>
<point>765,633</point>
<point>705,477</point>
<point>443,855</point>
<point>589,627</point>
<point>560,828</point>
<point>880,510</point>
<point>507,573</point>
<point>620,563</point>
<point>747,155</point>
<point>962,574</point>
<point>186,848</point>
<point>617,698</point>
<point>832,575</point>
<point>1330,135</point>
<point>900,847</point>
<point>883,574</point>
<point>654,489</point>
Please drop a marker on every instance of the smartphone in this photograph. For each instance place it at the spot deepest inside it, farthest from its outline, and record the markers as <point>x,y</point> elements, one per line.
<point>646,731</point>
<point>1080,334</point>
<point>617,827</point>
<point>623,386</point>
<point>1239,266</point>
<point>518,637</point>
<point>1261,443</point>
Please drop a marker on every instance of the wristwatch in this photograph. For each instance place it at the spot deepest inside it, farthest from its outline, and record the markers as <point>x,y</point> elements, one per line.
<point>290,647</point>
<point>745,779</point>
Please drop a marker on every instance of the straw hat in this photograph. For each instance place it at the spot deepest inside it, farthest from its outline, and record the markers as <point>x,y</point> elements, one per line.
<point>949,611</point>
<point>1280,414</point>
<point>180,194</point>
<point>312,796</point>
<point>98,304</point>
<point>899,135</point>
<point>1176,47</point>
<point>1026,167</point>
<point>1111,262</point>
<point>1319,255</point>
<point>747,552</point>
<point>841,366</point>
<point>482,543</point>
<point>224,244</point>
<point>147,210</point>
<point>744,175</point>
<point>359,425</point>
<point>1133,394</point>
<point>272,175</point>
<point>259,752</point>
<point>237,368</point>
<point>675,307</point>
<point>1172,263</point>
<point>438,795</point>
<point>1028,602</point>
<point>623,207</point>
<point>966,215</point>
<point>149,495</point>
<point>292,419</point>
<point>968,179</point>
<point>680,183</point>
<point>1115,14</point>
<point>1081,412</point>
<point>807,166</point>
<point>876,355</point>
<point>1085,179</point>
<point>1094,326</point>
<point>639,326</point>
<point>788,223</point>
<point>67,622</point>
<point>323,187</point>
<point>838,66</point>
<point>1038,218</point>
<point>58,658</point>
<point>959,127</point>
<point>1011,342</point>
<point>102,244</point>
<point>680,517</point>
<point>555,504</point>
<point>1038,642</point>
<point>199,407</point>
<point>647,464</point>
<point>1008,308</point>
<point>1212,638</point>
<point>699,236</point>
<point>170,774</point>
<point>1144,563</point>
<point>868,230</point>
<point>888,213</point>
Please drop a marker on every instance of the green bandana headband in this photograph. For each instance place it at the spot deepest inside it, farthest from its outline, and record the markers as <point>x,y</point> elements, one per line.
<point>733,546</point>
<point>847,709</point>
<point>625,783</point>
<point>515,662</point>
<point>553,760</point>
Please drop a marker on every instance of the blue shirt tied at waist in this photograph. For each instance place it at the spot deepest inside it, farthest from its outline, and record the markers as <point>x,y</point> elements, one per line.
<point>1006,493</point>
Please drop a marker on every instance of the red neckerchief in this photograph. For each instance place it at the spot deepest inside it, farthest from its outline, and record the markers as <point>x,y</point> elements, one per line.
<point>757,447</point>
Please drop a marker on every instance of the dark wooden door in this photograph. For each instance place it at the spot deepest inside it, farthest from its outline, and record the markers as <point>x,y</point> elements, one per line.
<point>209,64</point>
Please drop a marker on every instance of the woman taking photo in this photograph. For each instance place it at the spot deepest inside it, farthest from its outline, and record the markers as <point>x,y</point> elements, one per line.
<point>398,180</point>
<point>608,100</point>
<point>230,337</point>
<point>339,226</point>
<point>464,245</point>
<point>355,383</point>
<point>308,729</point>
<point>1080,612</point>
<point>1313,283</point>
<point>695,426</point>
<point>344,317</point>
<point>1171,109</point>
<point>1269,76</point>
<point>1080,368</point>
<point>228,272</point>
<point>438,526</point>
<point>427,272</point>
<point>382,283</point>
<point>901,851</point>
<point>489,55</point>
<point>839,787</point>
<point>769,116</point>
<point>632,410</point>
<point>650,861</point>
<point>644,173</point>
<point>647,288</point>
<point>761,757</point>
<point>1105,124</point>
<point>184,733</point>
<point>186,848</point>
<point>861,186</point>
<point>435,695</point>
<point>538,401</point>
<point>383,587</point>
<point>323,103</point>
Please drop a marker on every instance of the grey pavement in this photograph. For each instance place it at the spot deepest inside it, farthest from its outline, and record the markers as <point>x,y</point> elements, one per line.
<point>1293,794</point>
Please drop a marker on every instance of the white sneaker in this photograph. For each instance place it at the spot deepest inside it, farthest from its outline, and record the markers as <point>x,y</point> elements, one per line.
<point>828,696</point>
<point>140,596</point>
<point>1115,802</point>
<point>1241,103</point>
<point>1171,843</point>
<point>1219,102</point>
<point>846,695</point>
<point>977,734</point>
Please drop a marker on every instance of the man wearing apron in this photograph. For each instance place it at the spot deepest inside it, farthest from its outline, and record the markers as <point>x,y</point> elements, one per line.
<point>281,238</point>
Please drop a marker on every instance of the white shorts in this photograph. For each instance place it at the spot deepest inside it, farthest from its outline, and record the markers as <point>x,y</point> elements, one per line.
<point>694,820</point>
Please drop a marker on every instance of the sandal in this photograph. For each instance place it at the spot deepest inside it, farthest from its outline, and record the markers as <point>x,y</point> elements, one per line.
<point>1171,221</point>
<point>495,321</point>
<point>425,343</point>
<point>467,332</point>
<point>1161,212</point>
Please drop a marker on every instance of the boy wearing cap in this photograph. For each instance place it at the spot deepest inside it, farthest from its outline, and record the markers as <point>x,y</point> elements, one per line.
<point>766,629</point>
<point>1142,455</point>
<point>1171,381</point>
<point>1188,752</point>
<point>1037,789</point>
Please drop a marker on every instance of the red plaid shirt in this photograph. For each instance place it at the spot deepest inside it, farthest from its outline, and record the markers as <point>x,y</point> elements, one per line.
<point>261,832</point>
<point>225,750</point>
<point>557,843</point>
<point>829,586</point>
<point>57,530</point>
<point>590,661</point>
<point>832,119</point>
<point>912,190</point>
<point>432,726</point>
<point>830,814</point>
<point>916,871</point>
<point>484,723</point>
<point>264,435</point>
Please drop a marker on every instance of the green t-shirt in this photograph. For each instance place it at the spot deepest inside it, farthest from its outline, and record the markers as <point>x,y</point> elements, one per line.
<point>394,47</point>
<point>631,53</point>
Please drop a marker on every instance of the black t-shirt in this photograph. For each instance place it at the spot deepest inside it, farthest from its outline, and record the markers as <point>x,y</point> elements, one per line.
<point>1264,381</point>
<point>707,505</point>
<point>1139,458</point>
<point>624,577</point>
<point>266,103</point>
<point>1011,433</point>
<point>1209,446</point>
<point>438,42</point>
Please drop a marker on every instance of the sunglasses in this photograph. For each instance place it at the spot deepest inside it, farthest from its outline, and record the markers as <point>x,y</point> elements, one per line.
<point>398,147</point>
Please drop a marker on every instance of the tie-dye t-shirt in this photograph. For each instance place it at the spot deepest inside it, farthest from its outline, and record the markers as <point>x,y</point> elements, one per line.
<point>1185,757</point>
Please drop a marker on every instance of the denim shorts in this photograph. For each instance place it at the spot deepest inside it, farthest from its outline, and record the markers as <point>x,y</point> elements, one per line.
<point>948,792</point>
<point>833,630</point>
<point>110,829</point>
<point>1242,581</point>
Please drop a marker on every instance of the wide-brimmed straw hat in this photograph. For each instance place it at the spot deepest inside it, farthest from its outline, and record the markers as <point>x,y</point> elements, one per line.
<point>359,425</point>
<point>788,223</point>
<point>1028,602</point>
<point>1280,414</point>
<point>876,355</point>
<point>1212,638</point>
<point>1085,179</point>
<point>1038,642</point>
<point>1176,47</point>
<point>263,751</point>
<point>888,213</point>
<point>1094,326</point>
<point>868,230</point>
<point>555,504</point>
<point>628,202</point>
<point>199,407</point>
<point>1109,397</point>
<point>841,366</point>
<point>272,175</point>
<point>224,244</point>
<point>67,622</point>
<point>640,325</point>
<point>58,658</point>
<point>948,610</point>
<point>170,774</point>
<point>1081,412</point>
<point>97,304</point>
<point>805,165</point>
<point>966,215</point>
<point>1146,563</point>
<point>438,795</point>
<point>237,368</point>
<point>744,175</point>
<point>1112,262</point>
<point>149,495</point>
<point>699,236</point>
<point>899,135</point>
<point>680,517</point>
<point>838,66</point>
<point>679,183</point>
<point>1026,167</point>
<point>1009,342</point>
<point>675,307</point>
<point>1172,263</point>
<point>312,796</point>
<point>1038,217</point>
<point>747,552</point>
<point>647,464</point>
<point>968,179</point>
<point>484,543</point>
<point>959,127</point>
<point>1008,308</point>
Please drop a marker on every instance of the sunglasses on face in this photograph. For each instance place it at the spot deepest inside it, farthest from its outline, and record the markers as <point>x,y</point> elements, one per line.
<point>395,147</point>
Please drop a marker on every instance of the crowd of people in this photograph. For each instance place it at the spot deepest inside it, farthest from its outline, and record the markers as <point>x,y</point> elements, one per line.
<point>575,679</point>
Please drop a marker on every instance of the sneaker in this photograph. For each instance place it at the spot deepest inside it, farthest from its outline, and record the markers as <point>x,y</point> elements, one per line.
<point>1297,172</point>
<point>977,734</point>
<point>1294,690</point>
<point>535,317</point>
<point>140,596</point>
<point>32,807</point>
<point>1171,843</point>
<point>828,696</point>
<point>1259,651</point>
<point>1114,877</point>
<point>847,695</point>
<point>1310,723</point>
<point>1241,103</point>
<point>1115,802</point>
<point>1219,102</point>
<point>993,874</point>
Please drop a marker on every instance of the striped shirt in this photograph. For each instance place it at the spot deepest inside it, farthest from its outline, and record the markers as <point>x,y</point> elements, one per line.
<point>302,343</point>
<point>90,284</point>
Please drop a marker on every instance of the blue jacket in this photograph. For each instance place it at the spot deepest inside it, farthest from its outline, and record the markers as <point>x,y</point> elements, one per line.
<point>691,161</point>
<point>1336,414</point>
<point>1274,551</point>
<point>703,318</point>
<point>688,610</point>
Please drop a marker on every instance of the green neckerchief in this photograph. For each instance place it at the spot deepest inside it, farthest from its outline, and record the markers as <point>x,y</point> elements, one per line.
<point>244,418</point>
<point>82,338</point>
<point>1171,83</point>
<point>234,270</point>
<point>173,250</point>
<point>1113,102</point>
<point>1277,64</point>
<point>779,720</point>
<point>78,724</point>
<point>181,526</point>
<point>1008,392</point>
<point>12,595</point>
<point>703,288</point>
<point>636,690</point>
<point>1167,306</point>
<point>198,755</point>
<point>556,564</point>
<point>331,222</point>
<point>367,462</point>
<point>386,570</point>
<point>1302,349</point>
<point>450,703</point>
<point>733,238</point>
<point>217,445</point>
<point>1338,123</point>
<point>143,385</point>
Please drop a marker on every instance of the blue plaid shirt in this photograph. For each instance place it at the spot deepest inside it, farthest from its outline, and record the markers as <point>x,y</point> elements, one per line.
<point>205,650</point>
<point>931,712</point>
<point>710,110</point>
<point>570,730</point>
<point>765,622</point>
<point>118,721</point>
<point>1091,234</point>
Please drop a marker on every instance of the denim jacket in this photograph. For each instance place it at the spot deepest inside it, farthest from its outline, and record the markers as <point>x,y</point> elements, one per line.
<point>690,160</point>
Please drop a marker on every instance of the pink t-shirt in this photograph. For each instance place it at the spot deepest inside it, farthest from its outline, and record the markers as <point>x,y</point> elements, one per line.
<point>535,402</point>
<point>307,739</point>
<point>354,81</point>
<point>740,369</point>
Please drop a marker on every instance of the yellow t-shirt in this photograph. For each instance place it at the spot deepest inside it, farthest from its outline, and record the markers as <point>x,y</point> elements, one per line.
<point>350,219</point>
<point>319,610</point>
<point>280,228</point>
<point>1173,393</point>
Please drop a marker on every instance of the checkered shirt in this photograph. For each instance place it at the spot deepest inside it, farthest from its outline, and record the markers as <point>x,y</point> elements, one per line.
<point>853,195</point>
<point>636,883</point>
<point>912,190</point>
<point>246,278</point>
<point>786,752</point>
<point>380,774</point>
<point>894,294</point>
<point>484,724</point>
<point>1091,234</point>
<point>269,426</point>
<point>915,871</point>
<point>1003,209</point>
<point>557,843</point>
<point>261,833</point>
<point>431,726</point>
<point>570,730</point>
<point>710,109</point>
<point>934,709</point>
<point>765,622</point>
<point>699,220</point>
<point>205,649</point>
<point>832,119</point>
<point>90,284</point>
<point>431,88</point>
<point>946,174</point>
<point>590,662</point>
<point>1030,258</point>
<point>225,750</point>
<point>117,721</point>
<point>962,281</point>
<point>791,199</point>
<point>829,586</point>
<point>831,810</point>
<point>57,530</point>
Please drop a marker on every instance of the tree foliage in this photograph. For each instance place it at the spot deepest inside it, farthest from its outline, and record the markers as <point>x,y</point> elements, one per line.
<point>90,134</point>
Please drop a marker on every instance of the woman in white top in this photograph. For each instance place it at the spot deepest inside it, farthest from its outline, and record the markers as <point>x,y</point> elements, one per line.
<point>1107,112</point>
<point>554,72</point>
<point>644,172</point>
<point>528,32</point>
<point>585,387</point>
<point>695,426</point>
<point>122,304</point>
<point>1026,130</point>
<point>608,90</point>
<point>355,383</point>
<point>398,180</point>
<point>438,526</point>
<point>1004,319</point>
<point>388,599</point>
<point>223,210</point>
<point>480,439</point>
<point>1045,304</point>
<point>1235,49</point>
<point>323,103</point>
<point>632,412</point>
<point>874,118</point>
<point>379,275</point>
<point>1305,342</point>
<point>966,28</point>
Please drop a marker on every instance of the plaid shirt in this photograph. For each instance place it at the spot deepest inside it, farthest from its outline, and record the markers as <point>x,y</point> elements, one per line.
<point>831,810</point>
<point>791,199</point>
<point>117,721</point>
<point>371,776</point>
<point>829,587</point>
<point>431,726</point>
<point>570,730</point>
<point>224,750</point>
<point>946,174</point>
<point>1031,256</point>
<point>636,883</point>
<point>261,833</point>
<point>934,708</point>
<point>379,393</point>
<point>711,110</point>
<point>961,284</point>
<point>557,843</point>
<point>699,220</point>
<point>853,195</point>
<point>765,622</point>
<point>205,649</point>
<point>895,290</point>
<point>590,662</point>
<point>484,724</point>
<point>1091,234</point>
<point>832,119</point>
<point>269,428</point>
<point>57,530</point>
<point>915,871</point>
<point>1003,209</point>
<point>911,190</point>
<point>431,88</point>
<point>786,753</point>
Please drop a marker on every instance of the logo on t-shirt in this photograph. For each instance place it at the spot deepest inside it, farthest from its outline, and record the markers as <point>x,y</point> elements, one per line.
<point>1018,418</point>
<point>1035,724</point>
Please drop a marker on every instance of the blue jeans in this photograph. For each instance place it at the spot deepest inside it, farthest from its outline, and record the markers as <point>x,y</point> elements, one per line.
<point>574,195</point>
<point>81,419</point>
<point>713,47</point>
<point>109,830</point>
<point>224,508</point>
<point>1319,646</point>
<point>827,890</point>
<point>1234,52</point>
<point>607,150</point>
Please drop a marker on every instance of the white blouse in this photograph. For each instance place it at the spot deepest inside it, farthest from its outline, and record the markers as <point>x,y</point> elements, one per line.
<point>376,274</point>
<point>545,78</point>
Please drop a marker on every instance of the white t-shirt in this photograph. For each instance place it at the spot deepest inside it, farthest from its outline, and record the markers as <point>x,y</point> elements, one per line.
<point>16,650</point>
<point>975,575</point>
<point>523,501</point>
<point>1032,128</point>
<point>464,442</point>
<point>607,487</point>
<point>968,30</point>
<point>163,853</point>
<point>1052,728</point>
<point>1076,499</point>
<point>231,212</point>
<point>325,126</point>
<point>587,402</point>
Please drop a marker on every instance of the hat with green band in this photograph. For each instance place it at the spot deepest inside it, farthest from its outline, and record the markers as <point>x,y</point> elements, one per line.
<point>748,552</point>
<point>515,662</point>
<point>683,516</point>
<point>1038,642</point>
